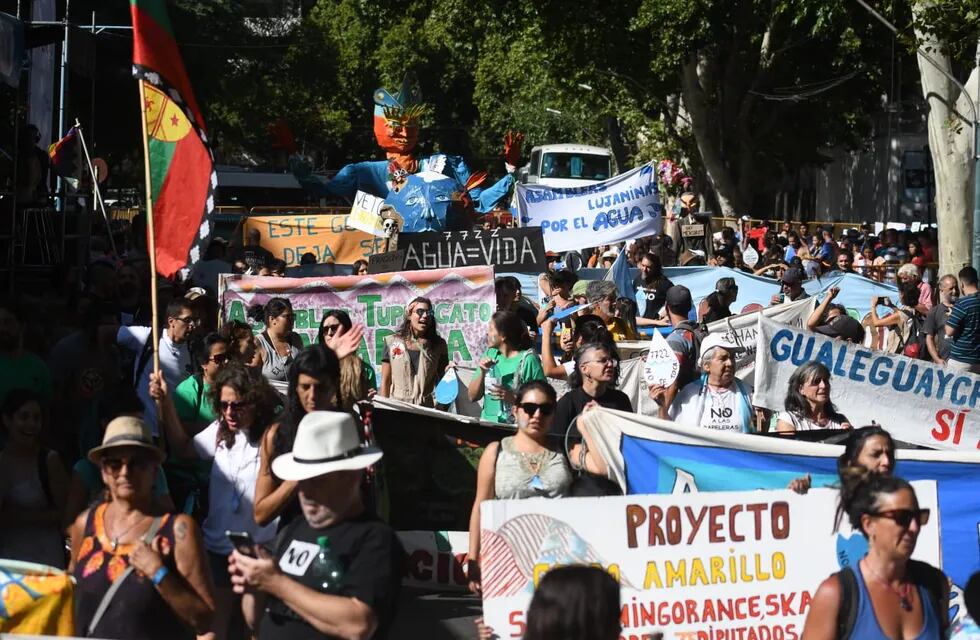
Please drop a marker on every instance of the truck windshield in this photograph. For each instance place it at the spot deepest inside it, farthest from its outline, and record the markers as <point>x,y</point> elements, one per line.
<point>577,166</point>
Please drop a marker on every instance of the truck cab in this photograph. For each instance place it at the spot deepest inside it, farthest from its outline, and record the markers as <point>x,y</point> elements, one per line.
<point>567,165</point>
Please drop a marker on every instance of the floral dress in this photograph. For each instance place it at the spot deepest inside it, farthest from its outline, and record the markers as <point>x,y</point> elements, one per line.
<point>137,611</point>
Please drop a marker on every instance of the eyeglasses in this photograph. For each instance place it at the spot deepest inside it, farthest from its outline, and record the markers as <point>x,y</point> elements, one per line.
<point>330,329</point>
<point>904,517</point>
<point>235,407</point>
<point>132,463</point>
<point>423,312</point>
<point>530,408</point>
<point>602,361</point>
<point>188,319</point>
<point>219,358</point>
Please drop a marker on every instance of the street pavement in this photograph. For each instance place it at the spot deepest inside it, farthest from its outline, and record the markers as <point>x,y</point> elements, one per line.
<point>435,616</point>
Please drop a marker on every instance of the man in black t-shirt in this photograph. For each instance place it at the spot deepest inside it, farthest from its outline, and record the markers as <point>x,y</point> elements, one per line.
<point>651,291</point>
<point>328,462</point>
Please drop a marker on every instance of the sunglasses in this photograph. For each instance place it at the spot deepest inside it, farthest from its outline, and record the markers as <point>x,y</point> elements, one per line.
<point>134,463</point>
<point>330,329</point>
<point>530,408</point>
<point>904,517</point>
<point>423,312</point>
<point>234,406</point>
<point>219,358</point>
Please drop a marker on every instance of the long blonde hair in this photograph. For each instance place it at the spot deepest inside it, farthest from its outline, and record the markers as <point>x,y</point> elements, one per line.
<point>353,382</point>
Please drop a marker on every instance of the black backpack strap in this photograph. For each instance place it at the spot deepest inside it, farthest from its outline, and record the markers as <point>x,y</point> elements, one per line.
<point>937,585</point>
<point>848,607</point>
<point>42,472</point>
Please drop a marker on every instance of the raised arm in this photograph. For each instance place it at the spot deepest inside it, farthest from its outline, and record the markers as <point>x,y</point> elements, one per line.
<point>820,311</point>
<point>178,440</point>
<point>551,368</point>
<point>271,494</point>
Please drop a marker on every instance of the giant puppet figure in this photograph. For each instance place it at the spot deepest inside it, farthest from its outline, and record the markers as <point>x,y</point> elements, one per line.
<point>430,193</point>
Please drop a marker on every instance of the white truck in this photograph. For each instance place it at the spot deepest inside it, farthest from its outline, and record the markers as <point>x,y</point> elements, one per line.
<point>567,165</point>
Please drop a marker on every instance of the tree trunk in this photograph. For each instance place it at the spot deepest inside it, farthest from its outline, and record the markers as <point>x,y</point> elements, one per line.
<point>950,145</point>
<point>703,126</point>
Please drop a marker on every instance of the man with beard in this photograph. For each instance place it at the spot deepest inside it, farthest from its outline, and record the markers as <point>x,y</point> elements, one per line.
<point>19,369</point>
<point>651,292</point>
<point>937,342</point>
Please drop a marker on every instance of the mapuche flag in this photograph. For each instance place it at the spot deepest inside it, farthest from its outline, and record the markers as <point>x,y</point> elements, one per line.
<point>64,157</point>
<point>182,178</point>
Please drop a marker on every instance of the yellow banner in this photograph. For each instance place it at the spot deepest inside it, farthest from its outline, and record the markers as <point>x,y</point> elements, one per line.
<point>35,599</point>
<point>328,237</point>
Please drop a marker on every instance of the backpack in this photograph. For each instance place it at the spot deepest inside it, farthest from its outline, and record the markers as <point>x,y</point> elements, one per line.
<point>912,341</point>
<point>920,573</point>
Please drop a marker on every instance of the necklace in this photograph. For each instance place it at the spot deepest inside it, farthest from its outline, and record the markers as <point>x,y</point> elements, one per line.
<point>903,593</point>
<point>533,462</point>
<point>114,540</point>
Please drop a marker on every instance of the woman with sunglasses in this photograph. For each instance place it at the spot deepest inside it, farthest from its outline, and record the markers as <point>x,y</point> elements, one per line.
<point>246,405</point>
<point>510,361</point>
<point>171,595</point>
<point>897,597</point>
<point>357,378</point>
<point>278,344</point>
<point>414,358</point>
<point>524,465</point>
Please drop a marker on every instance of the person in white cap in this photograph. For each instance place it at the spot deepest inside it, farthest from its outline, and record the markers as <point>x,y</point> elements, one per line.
<point>328,461</point>
<point>718,400</point>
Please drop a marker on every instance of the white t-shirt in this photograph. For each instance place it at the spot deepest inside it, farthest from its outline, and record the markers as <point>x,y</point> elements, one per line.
<point>805,424</point>
<point>175,363</point>
<point>231,490</point>
<point>712,409</point>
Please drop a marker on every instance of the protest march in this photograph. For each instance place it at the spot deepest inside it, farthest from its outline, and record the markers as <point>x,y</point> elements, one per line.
<point>427,394</point>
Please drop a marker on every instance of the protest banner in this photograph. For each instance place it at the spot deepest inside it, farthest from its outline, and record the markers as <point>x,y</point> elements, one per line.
<point>463,301</point>
<point>624,207</point>
<point>35,600</point>
<point>661,365</point>
<point>918,402</point>
<point>512,249</point>
<point>386,262</point>
<point>739,564</point>
<point>328,237</point>
<point>647,455</point>
<point>742,330</point>
<point>435,560</point>
<point>365,214</point>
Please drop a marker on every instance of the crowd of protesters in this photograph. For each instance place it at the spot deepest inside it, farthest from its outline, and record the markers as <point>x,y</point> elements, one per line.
<point>148,466</point>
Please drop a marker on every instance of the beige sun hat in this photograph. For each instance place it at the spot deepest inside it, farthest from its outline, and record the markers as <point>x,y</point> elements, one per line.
<point>126,431</point>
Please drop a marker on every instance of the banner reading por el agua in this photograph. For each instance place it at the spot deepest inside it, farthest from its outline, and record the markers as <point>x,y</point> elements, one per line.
<point>917,401</point>
<point>715,566</point>
<point>326,236</point>
<point>463,301</point>
<point>624,207</point>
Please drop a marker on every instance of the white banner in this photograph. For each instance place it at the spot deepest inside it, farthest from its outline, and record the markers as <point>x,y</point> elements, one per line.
<point>696,564</point>
<point>742,330</point>
<point>624,207</point>
<point>917,401</point>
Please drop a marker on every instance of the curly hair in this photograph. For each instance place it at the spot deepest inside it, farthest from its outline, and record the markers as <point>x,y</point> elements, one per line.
<point>860,489</point>
<point>252,388</point>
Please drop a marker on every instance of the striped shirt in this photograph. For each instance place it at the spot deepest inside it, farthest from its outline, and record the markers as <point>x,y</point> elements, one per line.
<point>965,319</point>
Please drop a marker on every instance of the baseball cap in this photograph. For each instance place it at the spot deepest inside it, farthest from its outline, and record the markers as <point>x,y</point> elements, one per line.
<point>679,297</point>
<point>792,276</point>
<point>726,285</point>
<point>713,340</point>
<point>844,327</point>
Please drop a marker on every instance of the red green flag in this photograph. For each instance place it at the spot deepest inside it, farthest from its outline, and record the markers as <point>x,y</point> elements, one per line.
<point>182,178</point>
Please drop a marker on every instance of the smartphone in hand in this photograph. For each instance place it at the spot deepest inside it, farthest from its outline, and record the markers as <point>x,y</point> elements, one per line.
<point>242,542</point>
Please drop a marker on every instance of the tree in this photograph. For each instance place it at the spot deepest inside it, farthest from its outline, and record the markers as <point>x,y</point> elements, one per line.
<point>946,33</point>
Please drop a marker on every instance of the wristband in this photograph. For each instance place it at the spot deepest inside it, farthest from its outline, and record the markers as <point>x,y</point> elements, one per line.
<point>158,577</point>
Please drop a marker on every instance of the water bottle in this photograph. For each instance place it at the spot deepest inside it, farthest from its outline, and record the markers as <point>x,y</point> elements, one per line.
<point>326,569</point>
<point>491,380</point>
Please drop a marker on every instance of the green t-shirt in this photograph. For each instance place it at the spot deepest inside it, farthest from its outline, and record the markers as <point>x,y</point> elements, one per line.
<point>194,404</point>
<point>369,374</point>
<point>506,371</point>
<point>25,371</point>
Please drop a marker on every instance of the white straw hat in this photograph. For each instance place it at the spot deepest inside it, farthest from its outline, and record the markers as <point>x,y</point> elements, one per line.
<point>326,441</point>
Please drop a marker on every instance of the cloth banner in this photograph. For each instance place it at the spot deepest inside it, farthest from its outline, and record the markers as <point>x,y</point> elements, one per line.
<point>742,330</point>
<point>463,301</point>
<point>35,599</point>
<point>435,560</point>
<point>511,249</point>
<point>646,455</point>
<point>624,207</point>
<point>917,401</point>
<point>326,236</point>
<point>738,564</point>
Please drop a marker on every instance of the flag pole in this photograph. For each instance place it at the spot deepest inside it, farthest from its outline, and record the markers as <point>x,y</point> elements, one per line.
<point>150,235</point>
<point>96,193</point>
